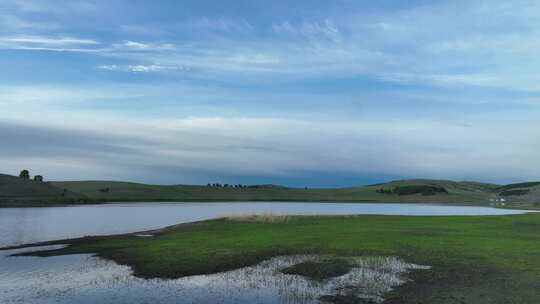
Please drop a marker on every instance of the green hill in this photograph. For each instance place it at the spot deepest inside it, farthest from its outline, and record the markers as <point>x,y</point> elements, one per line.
<point>454,192</point>
<point>521,194</point>
<point>18,191</point>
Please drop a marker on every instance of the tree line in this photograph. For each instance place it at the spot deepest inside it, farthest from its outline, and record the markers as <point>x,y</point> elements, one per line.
<point>414,189</point>
<point>25,174</point>
<point>218,185</point>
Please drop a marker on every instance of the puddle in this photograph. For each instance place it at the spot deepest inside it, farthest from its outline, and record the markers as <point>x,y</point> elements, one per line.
<point>87,279</point>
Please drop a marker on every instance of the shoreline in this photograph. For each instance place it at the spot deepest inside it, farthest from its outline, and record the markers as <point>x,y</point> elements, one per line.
<point>450,244</point>
<point>520,206</point>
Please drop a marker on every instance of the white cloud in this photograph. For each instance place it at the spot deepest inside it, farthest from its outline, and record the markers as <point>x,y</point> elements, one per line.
<point>284,147</point>
<point>445,79</point>
<point>482,43</point>
<point>68,122</point>
<point>49,6</point>
<point>140,46</point>
<point>437,44</point>
<point>325,29</point>
<point>219,24</point>
<point>46,41</point>
<point>50,43</point>
<point>254,59</point>
<point>243,129</point>
<point>140,68</point>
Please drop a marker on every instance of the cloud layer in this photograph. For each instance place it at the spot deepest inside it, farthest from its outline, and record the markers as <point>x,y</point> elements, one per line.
<point>337,92</point>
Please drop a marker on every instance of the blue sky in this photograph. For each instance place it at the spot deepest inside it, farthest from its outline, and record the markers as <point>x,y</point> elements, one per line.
<point>316,93</point>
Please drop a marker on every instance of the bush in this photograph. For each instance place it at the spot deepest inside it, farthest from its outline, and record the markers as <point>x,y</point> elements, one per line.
<point>24,174</point>
<point>514,192</point>
<point>518,185</point>
<point>419,189</point>
<point>384,191</point>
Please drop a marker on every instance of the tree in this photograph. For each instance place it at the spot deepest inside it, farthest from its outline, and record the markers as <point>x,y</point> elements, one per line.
<point>38,178</point>
<point>24,174</point>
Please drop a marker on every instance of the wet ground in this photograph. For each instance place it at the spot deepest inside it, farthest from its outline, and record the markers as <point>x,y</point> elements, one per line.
<point>86,279</point>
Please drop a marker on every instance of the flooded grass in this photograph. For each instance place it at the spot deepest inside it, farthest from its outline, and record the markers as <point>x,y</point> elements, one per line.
<point>489,259</point>
<point>321,269</point>
<point>87,279</point>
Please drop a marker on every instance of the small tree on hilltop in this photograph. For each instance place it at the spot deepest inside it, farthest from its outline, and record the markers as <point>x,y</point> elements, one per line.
<point>24,174</point>
<point>38,178</point>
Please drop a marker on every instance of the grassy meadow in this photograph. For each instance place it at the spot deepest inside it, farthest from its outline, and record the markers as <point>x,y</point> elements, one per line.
<point>17,192</point>
<point>475,259</point>
<point>463,192</point>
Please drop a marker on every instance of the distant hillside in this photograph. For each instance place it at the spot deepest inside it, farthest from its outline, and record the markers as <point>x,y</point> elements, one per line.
<point>15,190</point>
<point>449,192</point>
<point>527,193</point>
<point>518,186</point>
<point>19,191</point>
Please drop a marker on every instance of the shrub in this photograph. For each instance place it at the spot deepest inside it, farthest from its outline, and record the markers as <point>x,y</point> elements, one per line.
<point>104,190</point>
<point>24,174</point>
<point>419,189</point>
<point>514,192</point>
<point>384,191</point>
<point>264,218</point>
<point>518,185</point>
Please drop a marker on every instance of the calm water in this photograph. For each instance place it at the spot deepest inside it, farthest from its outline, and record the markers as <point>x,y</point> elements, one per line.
<point>84,279</point>
<point>28,225</point>
<point>87,279</point>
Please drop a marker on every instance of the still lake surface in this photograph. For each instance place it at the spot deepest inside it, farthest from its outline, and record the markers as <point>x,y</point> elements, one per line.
<point>88,279</point>
<point>30,225</point>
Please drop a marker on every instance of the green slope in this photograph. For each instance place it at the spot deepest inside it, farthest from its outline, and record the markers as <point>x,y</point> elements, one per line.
<point>457,192</point>
<point>17,191</point>
<point>521,194</point>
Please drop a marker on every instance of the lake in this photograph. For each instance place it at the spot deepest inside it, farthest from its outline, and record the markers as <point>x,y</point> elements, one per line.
<point>84,278</point>
<point>29,225</point>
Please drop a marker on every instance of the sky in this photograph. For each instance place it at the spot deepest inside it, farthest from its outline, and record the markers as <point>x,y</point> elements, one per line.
<point>298,93</point>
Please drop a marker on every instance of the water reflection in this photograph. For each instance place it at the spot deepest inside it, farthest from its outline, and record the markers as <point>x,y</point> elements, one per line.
<point>87,279</point>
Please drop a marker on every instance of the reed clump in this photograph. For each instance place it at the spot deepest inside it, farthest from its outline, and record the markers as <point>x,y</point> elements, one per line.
<point>263,218</point>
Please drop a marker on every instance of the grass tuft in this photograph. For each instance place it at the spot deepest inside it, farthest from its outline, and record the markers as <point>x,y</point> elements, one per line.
<point>320,270</point>
<point>263,218</point>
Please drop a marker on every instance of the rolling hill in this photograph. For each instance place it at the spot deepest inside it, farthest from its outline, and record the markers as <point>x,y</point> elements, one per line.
<point>521,194</point>
<point>17,191</point>
<point>455,192</point>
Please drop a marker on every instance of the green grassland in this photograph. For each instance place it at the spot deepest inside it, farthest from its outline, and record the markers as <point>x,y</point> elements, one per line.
<point>15,191</point>
<point>121,191</point>
<point>473,193</point>
<point>475,259</point>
